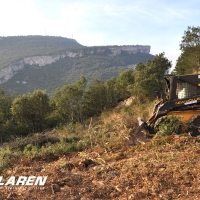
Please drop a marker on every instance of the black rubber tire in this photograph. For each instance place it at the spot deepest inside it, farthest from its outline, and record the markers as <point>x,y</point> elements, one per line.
<point>194,125</point>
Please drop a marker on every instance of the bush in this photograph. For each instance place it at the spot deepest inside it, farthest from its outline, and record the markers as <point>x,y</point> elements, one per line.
<point>169,125</point>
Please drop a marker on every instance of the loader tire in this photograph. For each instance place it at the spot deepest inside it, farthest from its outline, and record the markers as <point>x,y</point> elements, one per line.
<point>194,125</point>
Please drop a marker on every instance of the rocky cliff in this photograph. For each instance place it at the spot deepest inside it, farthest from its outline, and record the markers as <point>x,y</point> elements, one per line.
<point>8,72</point>
<point>117,50</point>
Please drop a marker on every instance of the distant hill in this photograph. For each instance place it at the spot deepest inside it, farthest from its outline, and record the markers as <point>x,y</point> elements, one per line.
<point>47,62</point>
<point>13,48</point>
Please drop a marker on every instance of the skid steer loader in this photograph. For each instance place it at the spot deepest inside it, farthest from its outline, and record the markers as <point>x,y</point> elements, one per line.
<point>181,98</point>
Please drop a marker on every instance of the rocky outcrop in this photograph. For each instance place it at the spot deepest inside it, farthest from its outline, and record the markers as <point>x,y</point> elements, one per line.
<point>130,49</point>
<point>12,69</point>
<point>41,60</point>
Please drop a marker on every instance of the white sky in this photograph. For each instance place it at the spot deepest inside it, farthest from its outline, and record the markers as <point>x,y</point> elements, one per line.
<point>158,23</point>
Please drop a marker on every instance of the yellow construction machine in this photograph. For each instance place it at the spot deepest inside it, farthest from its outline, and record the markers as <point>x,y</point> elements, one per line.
<point>181,98</point>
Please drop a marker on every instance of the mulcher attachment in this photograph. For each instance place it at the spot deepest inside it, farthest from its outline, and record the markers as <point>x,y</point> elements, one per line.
<point>141,134</point>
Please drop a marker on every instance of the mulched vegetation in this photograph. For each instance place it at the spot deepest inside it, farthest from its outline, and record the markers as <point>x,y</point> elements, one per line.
<point>163,168</point>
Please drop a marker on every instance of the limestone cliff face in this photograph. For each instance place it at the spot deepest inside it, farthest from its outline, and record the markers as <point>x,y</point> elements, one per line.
<point>130,49</point>
<point>41,60</point>
<point>8,72</point>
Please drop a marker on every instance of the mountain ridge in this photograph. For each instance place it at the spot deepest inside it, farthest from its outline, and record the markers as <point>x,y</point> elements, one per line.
<point>28,54</point>
<point>8,72</point>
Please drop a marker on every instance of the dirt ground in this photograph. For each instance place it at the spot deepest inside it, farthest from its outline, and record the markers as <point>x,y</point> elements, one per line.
<point>165,170</point>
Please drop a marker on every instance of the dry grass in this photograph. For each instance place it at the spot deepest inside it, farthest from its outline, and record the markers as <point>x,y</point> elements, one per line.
<point>164,168</point>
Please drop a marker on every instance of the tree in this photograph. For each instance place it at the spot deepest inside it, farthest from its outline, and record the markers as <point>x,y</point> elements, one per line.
<point>184,64</point>
<point>30,111</point>
<point>68,102</point>
<point>39,101</point>
<point>149,77</point>
<point>124,80</point>
<point>111,92</point>
<point>5,104</point>
<point>191,38</point>
<point>189,60</point>
<point>94,98</point>
<point>5,114</point>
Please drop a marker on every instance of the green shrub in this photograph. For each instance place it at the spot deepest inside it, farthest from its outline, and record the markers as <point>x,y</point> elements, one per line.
<point>31,151</point>
<point>169,125</point>
<point>70,138</point>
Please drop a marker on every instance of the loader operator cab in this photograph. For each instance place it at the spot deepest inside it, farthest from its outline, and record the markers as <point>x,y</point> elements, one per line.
<point>181,87</point>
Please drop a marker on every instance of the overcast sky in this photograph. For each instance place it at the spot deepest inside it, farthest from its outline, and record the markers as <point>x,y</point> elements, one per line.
<point>158,23</point>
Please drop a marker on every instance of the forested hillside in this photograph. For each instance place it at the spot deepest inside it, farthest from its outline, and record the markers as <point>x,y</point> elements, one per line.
<point>45,62</point>
<point>68,70</point>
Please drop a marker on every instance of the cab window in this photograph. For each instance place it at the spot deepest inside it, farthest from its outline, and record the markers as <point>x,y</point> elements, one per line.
<point>185,90</point>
